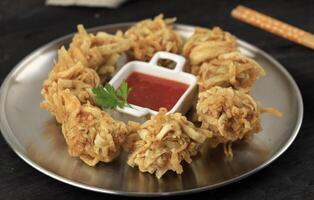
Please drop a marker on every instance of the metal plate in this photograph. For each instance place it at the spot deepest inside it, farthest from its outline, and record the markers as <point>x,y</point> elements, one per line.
<point>35,136</point>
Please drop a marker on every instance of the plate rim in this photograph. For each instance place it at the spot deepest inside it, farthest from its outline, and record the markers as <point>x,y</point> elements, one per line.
<point>9,137</point>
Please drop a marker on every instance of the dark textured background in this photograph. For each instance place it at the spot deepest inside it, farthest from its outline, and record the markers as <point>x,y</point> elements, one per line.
<point>27,24</point>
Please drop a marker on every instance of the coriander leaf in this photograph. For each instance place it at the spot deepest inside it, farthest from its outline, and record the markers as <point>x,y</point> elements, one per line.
<point>100,94</point>
<point>108,97</point>
<point>111,91</point>
<point>123,91</point>
<point>120,104</point>
<point>104,98</point>
<point>106,103</point>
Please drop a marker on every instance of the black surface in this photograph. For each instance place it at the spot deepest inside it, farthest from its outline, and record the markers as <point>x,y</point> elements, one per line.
<point>26,25</point>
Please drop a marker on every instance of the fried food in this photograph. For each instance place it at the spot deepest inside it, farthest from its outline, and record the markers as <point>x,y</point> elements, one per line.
<point>225,111</point>
<point>152,35</point>
<point>78,80</point>
<point>90,133</point>
<point>232,115</point>
<point>99,52</point>
<point>161,143</point>
<point>89,60</point>
<point>205,45</point>
<point>230,70</point>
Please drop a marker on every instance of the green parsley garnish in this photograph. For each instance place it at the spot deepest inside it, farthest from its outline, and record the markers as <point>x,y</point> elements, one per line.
<point>108,97</point>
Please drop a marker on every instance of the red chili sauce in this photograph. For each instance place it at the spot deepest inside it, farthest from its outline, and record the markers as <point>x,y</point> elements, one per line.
<point>154,92</point>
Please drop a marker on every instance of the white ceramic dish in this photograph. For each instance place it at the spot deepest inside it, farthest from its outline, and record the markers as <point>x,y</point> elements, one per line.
<point>151,68</point>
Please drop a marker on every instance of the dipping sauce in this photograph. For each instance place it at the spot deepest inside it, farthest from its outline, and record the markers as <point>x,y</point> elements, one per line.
<point>154,92</point>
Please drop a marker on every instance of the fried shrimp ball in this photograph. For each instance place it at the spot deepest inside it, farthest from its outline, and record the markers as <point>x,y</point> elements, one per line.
<point>78,79</point>
<point>230,70</point>
<point>205,45</point>
<point>232,115</point>
<point>162,142</point>
<point>99,52</point>
<point>90,133</point>
<point>152,35</point>
<point>89,61</point>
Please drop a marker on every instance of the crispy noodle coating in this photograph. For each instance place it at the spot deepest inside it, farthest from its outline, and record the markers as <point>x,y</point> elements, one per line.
<point>90,133</point>
<point>205,45</point>
<point>161,143</point>
<point>99,52</point>
<point>78,79</point>
<point>89,60</point>
<point>230,70</point>
<point>152,35</point>
<point>232,115</point>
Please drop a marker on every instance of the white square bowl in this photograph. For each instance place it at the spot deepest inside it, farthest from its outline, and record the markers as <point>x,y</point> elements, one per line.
<point>151,68</point>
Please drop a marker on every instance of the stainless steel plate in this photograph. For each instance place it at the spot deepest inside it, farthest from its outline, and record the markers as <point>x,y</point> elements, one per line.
<point>35,136</point>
